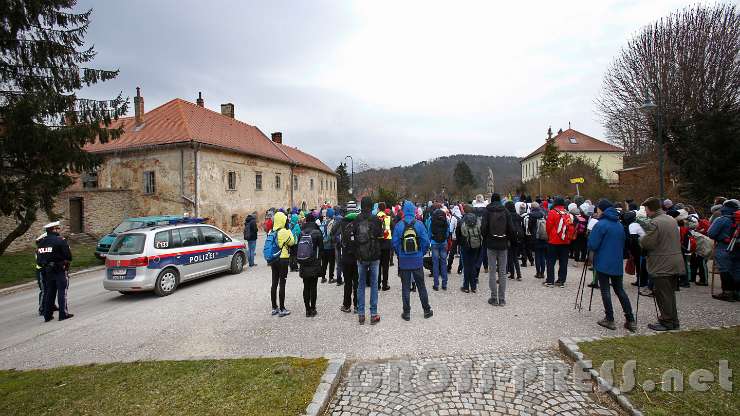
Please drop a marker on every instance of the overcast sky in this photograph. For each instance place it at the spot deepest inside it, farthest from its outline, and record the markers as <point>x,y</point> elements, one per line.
<point>389,82</point>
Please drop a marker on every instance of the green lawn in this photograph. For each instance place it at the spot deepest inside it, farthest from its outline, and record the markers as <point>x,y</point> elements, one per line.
<point>258,386</point>
<point>20,267</point>
<point>685,351</point>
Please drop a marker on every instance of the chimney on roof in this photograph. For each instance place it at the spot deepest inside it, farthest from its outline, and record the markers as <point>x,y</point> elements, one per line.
<point>549,133</point>
<point>569,125</point>
<point>277,137</point>
<point>560,131</point>
<point>200,101</point>
<point>227,110</point>
<point>139,107</point>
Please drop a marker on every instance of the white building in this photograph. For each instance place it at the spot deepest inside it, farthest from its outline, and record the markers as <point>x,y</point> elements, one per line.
<point>575,143</point>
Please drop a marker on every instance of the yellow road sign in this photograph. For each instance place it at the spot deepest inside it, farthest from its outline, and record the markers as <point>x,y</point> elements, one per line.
<point>576,180</point>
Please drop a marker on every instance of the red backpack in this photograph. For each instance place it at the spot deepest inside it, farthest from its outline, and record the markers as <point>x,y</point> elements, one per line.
<point>565,230</point>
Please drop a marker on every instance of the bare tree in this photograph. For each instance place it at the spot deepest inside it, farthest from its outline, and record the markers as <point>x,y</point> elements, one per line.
<point>687,63</point>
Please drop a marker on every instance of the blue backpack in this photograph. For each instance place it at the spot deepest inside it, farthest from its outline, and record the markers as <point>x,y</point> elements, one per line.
<point>272,250</point>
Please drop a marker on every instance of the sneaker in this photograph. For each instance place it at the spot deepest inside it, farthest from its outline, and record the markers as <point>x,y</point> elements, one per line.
<point>331,280</point>
<point>473,290</point>
<point>501,302</point>
<point>362,319</point>
<point>323,280</point>
<point>345,309</point>
<point>386,288</point>
<point>428,314</point>
<point>283,312</point>
<point>435,288</point>
<point>647,292</point>
<point>374,319</point>
<point>492,301</point>
<point>607,324</point>
<point>630,326</point>
<point>658,327</point>
<point>560,284</point>
<point>406,316</point>
<point>275,311</point>
<point>462,289</point>
<point>67,316</point>
<point>548,284</point>
<point>511,276</point>
<point>519,278</point>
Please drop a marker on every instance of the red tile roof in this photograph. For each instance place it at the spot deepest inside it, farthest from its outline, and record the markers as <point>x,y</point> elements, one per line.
<point>584,143</point>
<point>180,121</point>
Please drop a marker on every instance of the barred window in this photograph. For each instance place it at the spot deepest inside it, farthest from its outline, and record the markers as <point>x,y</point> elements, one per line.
<point>232,181</point>
<point>149,182</point>
<point>258,181</point>
<point>295,183</point>
<point>277,181</point>
<point>311,183</point>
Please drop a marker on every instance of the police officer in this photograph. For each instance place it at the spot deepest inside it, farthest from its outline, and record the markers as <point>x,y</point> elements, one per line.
<point>41,283</point>
<point>53,256</point>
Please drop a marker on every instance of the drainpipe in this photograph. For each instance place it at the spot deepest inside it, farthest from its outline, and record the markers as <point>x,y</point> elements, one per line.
<point>182,180</point>
<point>292,187</point>
<point>195,174</point>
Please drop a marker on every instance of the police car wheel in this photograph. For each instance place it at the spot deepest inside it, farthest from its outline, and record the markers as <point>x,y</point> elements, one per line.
<point>166,282</point>
<point>237,263</point>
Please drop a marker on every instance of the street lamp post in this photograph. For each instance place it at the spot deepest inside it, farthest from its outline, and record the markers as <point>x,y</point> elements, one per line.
<point>352,180</point>
<point>649,106</point>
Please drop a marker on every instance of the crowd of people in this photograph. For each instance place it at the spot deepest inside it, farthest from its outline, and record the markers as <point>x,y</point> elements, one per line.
<point>665,246</point>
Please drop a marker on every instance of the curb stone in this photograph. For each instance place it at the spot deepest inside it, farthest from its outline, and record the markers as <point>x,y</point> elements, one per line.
<point>569,346</point>
<point>327,385</point>
<point>28,285</point>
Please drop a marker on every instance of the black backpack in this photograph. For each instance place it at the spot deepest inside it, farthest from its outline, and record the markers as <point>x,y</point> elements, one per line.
<point>439,226</point>
<point>347,236</point>
<point>368,246</point>
<point>497,224</point>
<point>306,253</point>
<point>518,228</point>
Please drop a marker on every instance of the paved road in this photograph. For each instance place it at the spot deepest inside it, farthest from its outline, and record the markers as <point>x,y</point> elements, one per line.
<point>228,316</point>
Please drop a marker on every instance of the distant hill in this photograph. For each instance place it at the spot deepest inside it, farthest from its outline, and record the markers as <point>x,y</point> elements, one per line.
<point>428,178</point>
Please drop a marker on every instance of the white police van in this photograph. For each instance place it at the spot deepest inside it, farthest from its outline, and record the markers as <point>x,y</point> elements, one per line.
<point>161,258</point>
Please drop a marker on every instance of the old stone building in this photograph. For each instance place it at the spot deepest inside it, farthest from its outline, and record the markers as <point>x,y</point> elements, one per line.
<point>182,157</point>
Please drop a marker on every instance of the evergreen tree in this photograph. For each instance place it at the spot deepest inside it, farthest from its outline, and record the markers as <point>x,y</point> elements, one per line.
<point>343,183</point>
<point>551,155</point>
<point>463,176</point>
<point>43,124</point>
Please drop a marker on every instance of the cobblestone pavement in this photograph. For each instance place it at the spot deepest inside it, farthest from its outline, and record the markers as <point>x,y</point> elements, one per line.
<point>531,383</point>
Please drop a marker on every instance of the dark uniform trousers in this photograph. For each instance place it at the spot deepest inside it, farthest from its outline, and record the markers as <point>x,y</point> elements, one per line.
<point>665,296</point>
<point>42,290</point>
<point>57,283</point>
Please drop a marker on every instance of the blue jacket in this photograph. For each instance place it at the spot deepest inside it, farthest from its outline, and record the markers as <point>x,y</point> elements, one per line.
<point>722,228</point>
<point>410,261</point>
<point>607,242</point>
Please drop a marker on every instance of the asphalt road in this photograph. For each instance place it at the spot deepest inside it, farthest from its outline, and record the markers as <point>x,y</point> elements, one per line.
<point>229,316</point>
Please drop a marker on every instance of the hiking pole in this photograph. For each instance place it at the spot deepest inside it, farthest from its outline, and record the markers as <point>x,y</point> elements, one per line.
<point>581,287</point>
<point>590,301</point>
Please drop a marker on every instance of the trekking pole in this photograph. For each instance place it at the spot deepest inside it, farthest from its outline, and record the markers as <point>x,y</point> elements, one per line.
<point>590,301</point>
<point>581,286</point>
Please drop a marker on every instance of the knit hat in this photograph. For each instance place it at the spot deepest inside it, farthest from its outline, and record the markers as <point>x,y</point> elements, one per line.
<point>559,201</point>
<point>573,208</point>
<point>682,215</point>
<point>667,204</point>
<point>604,204</point>
<point>366,203</point>
<point>494,197</point>
<point>731,203</point>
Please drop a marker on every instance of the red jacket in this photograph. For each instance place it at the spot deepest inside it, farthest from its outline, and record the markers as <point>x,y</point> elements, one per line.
<point>551,225</point>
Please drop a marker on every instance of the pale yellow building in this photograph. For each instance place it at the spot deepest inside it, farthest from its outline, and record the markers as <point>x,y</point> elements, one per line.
<point>575,143</point>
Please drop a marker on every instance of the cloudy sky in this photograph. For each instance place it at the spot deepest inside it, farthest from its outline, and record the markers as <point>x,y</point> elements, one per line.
<point>389,82</point>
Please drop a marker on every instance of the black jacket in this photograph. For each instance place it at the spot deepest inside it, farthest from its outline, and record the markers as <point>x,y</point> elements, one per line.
<point>492,243</point>
<point>250,228</point>
<point>313,268</point>
<point>376,230</point>
<point>53,250</point>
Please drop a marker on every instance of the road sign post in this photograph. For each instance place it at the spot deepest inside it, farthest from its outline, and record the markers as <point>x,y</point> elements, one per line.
<point>576,181</point>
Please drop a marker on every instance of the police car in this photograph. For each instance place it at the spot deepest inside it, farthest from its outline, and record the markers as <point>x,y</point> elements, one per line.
<point>161,258</point>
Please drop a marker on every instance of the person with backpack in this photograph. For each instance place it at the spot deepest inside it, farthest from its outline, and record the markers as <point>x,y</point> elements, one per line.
<point>527,247</point>
<point>704,247</point>
<point>385,247</point>
<point>688,246</point>
<point>470,240</point>
<point>560,232</point>
<point>724,231</point>
<point>439,229</point>
<point>295,228</point>
<point>538,230</point>
<point>309,254</point>
<point>346,238</point>
<point>517,241</point>
<point>580,253</point>
<point>455,218</point>
<point>250,236</point>
<point>368,231</point>
<point>327,246</point>
<point>336,238</point>
<point>277,255</point>
<point>410,242</point>
<point>498,234</point>
<point>607,242</point>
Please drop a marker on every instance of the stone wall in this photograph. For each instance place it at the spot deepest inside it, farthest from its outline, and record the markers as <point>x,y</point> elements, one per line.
<point>103,209</point>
